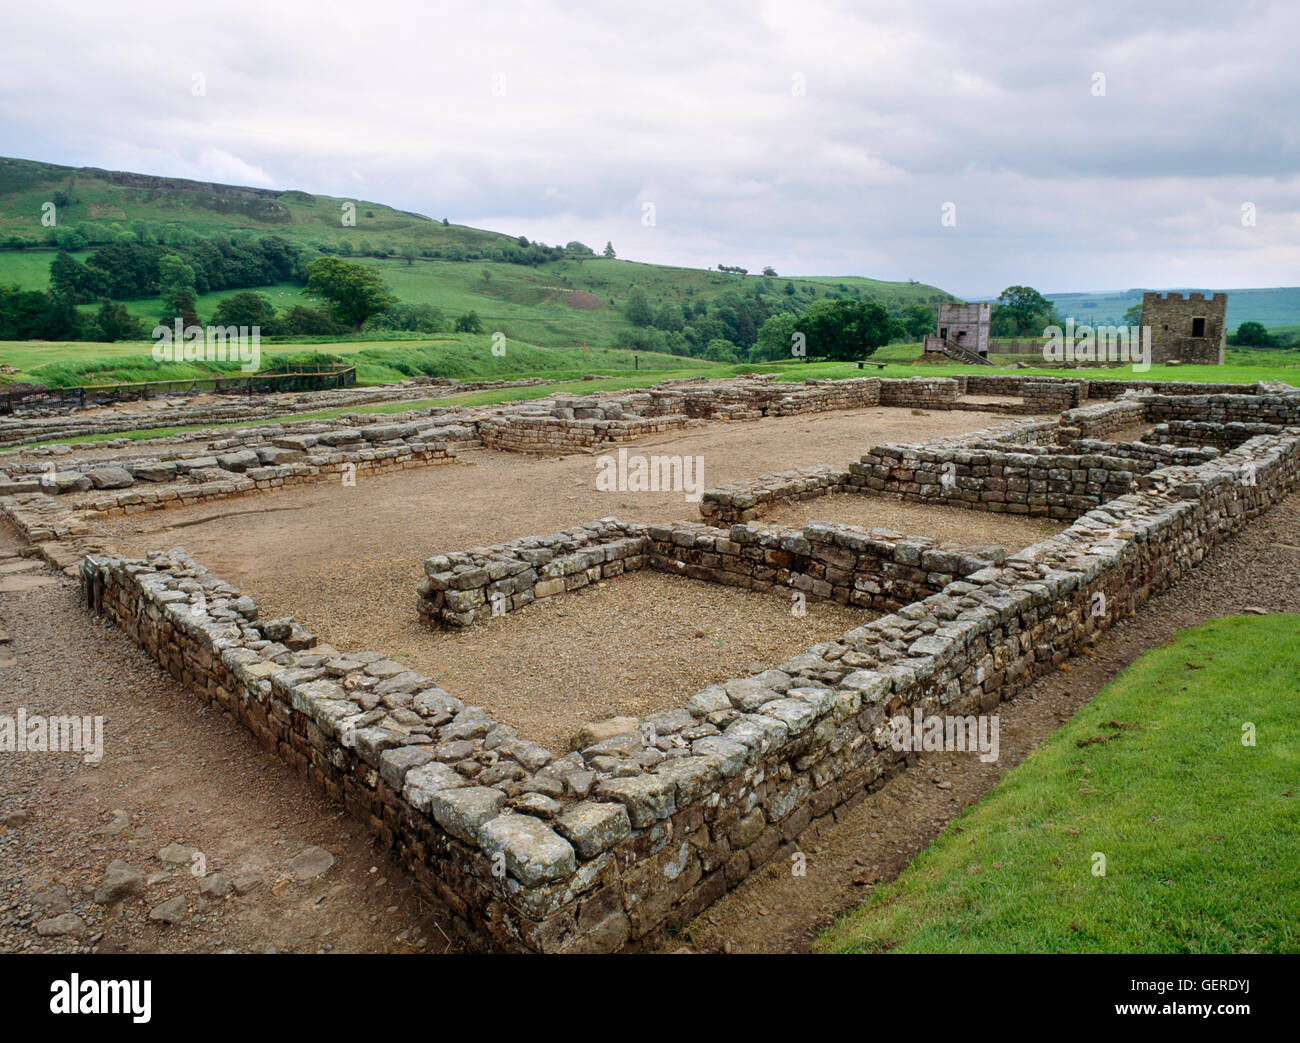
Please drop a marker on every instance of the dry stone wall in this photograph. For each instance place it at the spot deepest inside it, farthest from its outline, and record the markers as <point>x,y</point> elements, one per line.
<point>865,568</point>
<point>611,846</point>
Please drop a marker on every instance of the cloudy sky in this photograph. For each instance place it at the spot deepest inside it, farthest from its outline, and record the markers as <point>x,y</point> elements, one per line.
<point>1072,146</point>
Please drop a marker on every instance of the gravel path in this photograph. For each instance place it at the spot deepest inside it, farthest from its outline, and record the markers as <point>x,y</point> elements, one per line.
<point>173,772</point>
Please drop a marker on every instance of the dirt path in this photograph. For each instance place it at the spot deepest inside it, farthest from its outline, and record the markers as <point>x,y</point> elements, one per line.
<point>776,911</point>
<point>173,772</point>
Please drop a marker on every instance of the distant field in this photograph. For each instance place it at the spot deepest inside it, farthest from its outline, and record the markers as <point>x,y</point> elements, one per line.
<point>459,356</point>
<point>529,303</point>
<point>462,356</point>
<point>1275,306</point>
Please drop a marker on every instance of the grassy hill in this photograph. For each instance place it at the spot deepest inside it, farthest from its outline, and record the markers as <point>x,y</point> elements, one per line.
<point>561,303</point>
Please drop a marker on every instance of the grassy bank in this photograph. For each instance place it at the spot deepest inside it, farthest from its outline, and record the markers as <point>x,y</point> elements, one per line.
<point>1200,833</point>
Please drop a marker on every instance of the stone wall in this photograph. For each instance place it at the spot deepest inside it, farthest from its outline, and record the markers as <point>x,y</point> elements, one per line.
<point>463,587</point>
<point>1193,433</point>
<point>866,568</point>
<point>1102,418</point>
<point>1225,408</point>
<point>612,846</point>
<point>1056,485</point>
<point>919,393</point>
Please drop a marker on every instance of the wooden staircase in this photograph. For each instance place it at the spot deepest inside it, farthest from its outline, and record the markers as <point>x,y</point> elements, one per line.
<point>961,353</point>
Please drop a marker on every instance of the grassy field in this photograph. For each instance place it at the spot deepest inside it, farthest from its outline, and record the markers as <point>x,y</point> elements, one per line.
<point>1200,833</point>
<point>463,356</point>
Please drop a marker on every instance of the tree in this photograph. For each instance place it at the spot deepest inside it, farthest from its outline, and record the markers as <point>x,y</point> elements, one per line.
<point>469,323</point>
<point>1133,317</point>
<point>1026,309</point>
<point>637,310</point>
<point>116,323</point>
<point>609,250</point>
<point>175,280</point>
<point>246,309</point>
<point>916,321</point>
<point>845,330</point>
<point>719,350</point>
<point>775,338</point>
<point>769,271</point>
<point>76,281</point>
<point>310,322</point>
<point>1253,335</point>
<point>669,317</point>
<point>355,291</point>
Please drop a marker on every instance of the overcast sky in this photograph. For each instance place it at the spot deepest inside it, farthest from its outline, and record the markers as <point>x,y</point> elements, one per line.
<point>820,138</point>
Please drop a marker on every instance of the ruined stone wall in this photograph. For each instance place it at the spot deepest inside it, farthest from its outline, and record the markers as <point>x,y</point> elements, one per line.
<point>865,568</point>
<point>1056,485</point>
<point>1225,409</point>
<point>919,393</point>
<point>860,567</point>
<point>548,435</point>
<point>611,846</point>
<point>1102,418</point>
<point>463,587</point>
<point>1193,433</point>
<point>1170,317</point>
<point>1050,396</point>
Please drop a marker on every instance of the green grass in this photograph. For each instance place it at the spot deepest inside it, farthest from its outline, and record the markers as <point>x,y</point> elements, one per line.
<point>1201,834</point>
<point>453,355</point>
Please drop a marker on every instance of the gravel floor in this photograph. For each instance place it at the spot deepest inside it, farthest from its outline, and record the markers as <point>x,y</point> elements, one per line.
<point>632,645</point>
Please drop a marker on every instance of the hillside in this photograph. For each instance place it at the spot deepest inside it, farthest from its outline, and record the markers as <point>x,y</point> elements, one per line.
<point>565,302</point>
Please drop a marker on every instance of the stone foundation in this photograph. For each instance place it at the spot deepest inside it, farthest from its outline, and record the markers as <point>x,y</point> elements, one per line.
<point>613,846</point>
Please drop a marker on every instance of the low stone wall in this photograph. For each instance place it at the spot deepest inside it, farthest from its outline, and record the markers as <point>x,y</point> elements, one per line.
<point>1225,409</point>
<point>463,587</point>
<point>1096,389</point>
<point>866,568</point>
<point>1049,396</point>
<point>919,393</point>
<point>547,434</point>
<point>748,500</point>
<point>1047,485</point>
<point>1102,418</point>
<point>1193,433</point>
<point>39,425</point>
<point>745,501</point>
<point>612,846</point>
<point>1154,455</point>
